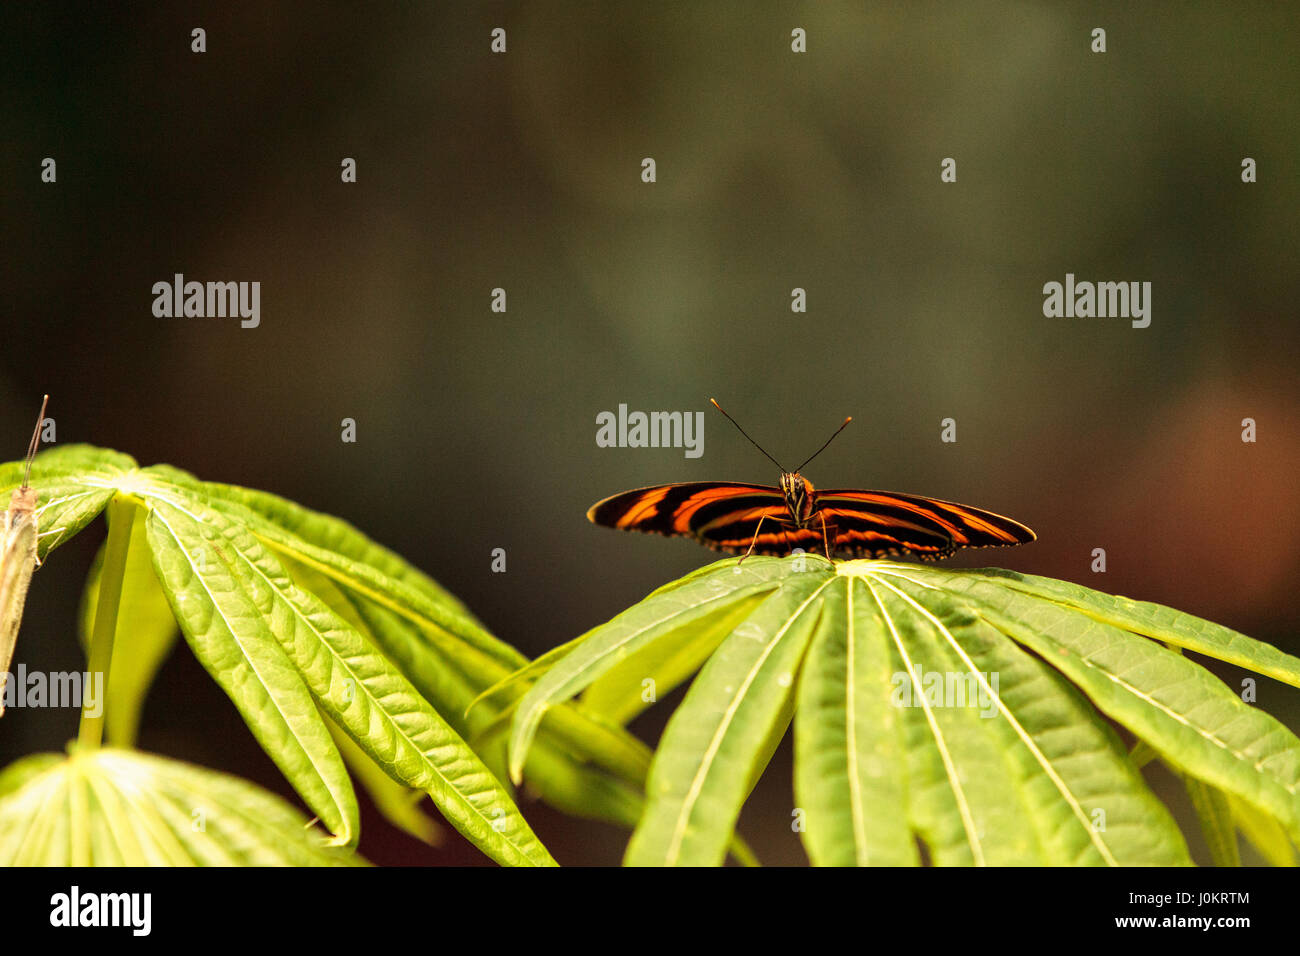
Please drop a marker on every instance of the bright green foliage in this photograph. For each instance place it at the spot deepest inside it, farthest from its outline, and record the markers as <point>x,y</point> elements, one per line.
<point>955,717</point>
<point>107,807</point>
<point>961,710</point>
<point>309,627</point>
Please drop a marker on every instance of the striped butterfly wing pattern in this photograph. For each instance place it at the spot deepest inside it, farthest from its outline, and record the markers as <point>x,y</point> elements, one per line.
<point>741,518</point>
<point>722,515</point>
<point>877,523</point>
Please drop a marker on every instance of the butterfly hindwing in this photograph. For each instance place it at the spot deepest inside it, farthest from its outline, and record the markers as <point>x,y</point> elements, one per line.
<point>775,539</point>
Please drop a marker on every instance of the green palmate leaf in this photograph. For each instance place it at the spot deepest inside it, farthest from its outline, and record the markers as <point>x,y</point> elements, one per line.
<point>957,707</point>
<point>608,645</point>
<point>229,624</point>
<point>428,633</point>
<point>145,634</point>
<point>280,647</point>
<point>244,599</point>
<point>435,671</point>
<point>434,667</point>
<point>563,782</point>
<point>123,808</point>
<point>1183,711</point>
<point>716,740</point>
<point>1021,771</point>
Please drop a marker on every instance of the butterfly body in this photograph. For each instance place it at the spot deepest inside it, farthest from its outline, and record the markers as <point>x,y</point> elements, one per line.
<point>740,518</point>
<point>17,560</point>
<point>798,494</point>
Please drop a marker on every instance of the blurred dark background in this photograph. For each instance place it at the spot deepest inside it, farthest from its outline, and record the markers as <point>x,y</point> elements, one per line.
<point>776,170</point>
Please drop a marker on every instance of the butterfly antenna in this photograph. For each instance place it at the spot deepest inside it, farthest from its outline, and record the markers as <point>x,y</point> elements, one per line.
<point>746,434</point>
<point>36,440</point>
<point>828,441</point>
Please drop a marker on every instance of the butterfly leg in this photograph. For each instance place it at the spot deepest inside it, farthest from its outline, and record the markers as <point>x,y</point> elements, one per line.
<point>826,540</point>
<point>754,540</point>
<point>46,534</point>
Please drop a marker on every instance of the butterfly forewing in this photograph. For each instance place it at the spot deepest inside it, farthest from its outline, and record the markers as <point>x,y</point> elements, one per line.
<point>884,522</point>
<point>715,513</point>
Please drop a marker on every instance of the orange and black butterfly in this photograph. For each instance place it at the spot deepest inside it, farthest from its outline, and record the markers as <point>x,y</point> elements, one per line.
<point>737,518</point>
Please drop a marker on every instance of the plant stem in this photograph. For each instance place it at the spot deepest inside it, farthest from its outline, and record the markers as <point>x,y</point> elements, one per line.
<point>121,515</point>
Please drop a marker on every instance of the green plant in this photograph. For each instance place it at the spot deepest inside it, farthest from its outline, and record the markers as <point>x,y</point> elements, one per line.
<point>318,636</point>
<point>1034,775</point>
<point>346,662</point>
